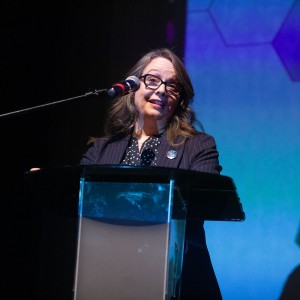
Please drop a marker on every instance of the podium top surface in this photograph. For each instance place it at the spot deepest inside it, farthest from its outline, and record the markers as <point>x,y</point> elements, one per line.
<point>210,196</point>
<point>129,173</point>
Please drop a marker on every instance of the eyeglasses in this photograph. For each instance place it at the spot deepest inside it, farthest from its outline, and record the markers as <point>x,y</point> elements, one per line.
<point>154,82</point>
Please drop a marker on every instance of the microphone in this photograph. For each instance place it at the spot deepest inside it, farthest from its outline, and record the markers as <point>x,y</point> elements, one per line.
<point>130,84</point>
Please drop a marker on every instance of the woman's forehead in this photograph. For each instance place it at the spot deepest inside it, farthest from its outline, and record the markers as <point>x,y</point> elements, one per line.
<point>160,65</point>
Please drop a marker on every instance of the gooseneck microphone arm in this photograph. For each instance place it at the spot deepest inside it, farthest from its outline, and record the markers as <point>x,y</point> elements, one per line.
<point>130,84</point>
<point>33,108</point>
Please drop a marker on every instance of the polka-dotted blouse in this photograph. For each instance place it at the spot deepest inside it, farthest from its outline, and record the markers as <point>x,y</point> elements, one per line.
<point>148,154</point>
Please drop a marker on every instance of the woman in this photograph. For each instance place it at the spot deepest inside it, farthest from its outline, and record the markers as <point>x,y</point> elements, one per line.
<point>155,126</point>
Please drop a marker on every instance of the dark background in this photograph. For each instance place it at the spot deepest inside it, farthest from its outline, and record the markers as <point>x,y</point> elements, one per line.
<point>53,51</point>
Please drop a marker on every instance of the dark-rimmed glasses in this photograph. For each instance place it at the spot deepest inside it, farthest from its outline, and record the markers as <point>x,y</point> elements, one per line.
<point>154,82</point>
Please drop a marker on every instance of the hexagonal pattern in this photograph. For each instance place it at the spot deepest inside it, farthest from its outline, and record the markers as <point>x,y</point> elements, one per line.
<point>287,42</point>
<point>243,22</point>
<point>196,5</point>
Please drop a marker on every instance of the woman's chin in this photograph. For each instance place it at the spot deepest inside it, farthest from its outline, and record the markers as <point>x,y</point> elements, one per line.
<point>156,115</point>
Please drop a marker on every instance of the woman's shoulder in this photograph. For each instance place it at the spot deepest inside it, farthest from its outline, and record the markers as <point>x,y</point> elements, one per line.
<point>92,141</point>
<point>103,141</point>
<point>201,137</point>
<point>200,142</point>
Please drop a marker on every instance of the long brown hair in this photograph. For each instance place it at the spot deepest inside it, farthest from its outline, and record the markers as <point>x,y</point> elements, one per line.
<point>123,114</point>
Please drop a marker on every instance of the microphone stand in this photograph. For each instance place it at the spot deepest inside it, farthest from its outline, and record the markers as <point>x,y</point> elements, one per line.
<point>25,110</point>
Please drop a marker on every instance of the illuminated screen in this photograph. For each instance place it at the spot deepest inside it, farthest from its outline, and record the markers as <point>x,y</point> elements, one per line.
<point>244,61</point>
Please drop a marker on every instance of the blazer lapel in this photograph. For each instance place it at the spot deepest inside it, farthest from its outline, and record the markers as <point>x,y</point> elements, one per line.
<point>165,158</point>
<point>115,151</point>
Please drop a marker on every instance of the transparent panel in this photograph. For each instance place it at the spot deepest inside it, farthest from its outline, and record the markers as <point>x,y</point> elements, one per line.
<point>129,244</point>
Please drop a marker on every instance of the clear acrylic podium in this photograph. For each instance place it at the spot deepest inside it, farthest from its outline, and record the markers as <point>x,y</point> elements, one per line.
<point>130,227</point>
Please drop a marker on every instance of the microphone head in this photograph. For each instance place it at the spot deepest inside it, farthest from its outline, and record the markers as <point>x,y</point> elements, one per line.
<point>130,84</point>
<point>134,83</point>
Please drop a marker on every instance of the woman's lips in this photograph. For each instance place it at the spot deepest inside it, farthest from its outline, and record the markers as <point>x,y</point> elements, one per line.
<point>157,102</point>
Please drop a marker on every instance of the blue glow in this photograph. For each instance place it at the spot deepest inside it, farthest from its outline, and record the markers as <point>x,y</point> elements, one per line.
<point>246,99</point>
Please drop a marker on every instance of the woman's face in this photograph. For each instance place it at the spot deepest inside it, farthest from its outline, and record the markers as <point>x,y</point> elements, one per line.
<point>156,107</point>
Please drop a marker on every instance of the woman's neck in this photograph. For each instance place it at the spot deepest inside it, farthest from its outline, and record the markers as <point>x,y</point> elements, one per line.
<point>146,130</point>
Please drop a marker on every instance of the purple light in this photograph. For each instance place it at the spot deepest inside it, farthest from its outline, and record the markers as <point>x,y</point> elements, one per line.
<point>170,32</point>
<point>287,43</point>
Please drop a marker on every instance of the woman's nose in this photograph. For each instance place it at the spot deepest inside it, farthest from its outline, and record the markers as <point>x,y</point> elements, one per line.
<point>162,89</point>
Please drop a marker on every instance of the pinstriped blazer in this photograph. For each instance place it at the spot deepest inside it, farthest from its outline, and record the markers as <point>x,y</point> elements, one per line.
<point>198,153</point>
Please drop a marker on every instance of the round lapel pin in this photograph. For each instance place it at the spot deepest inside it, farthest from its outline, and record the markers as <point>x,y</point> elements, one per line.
<point>171,154</point>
